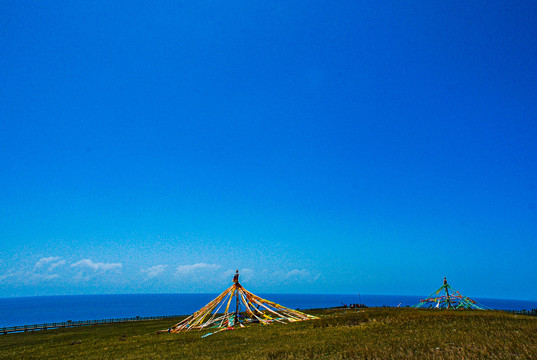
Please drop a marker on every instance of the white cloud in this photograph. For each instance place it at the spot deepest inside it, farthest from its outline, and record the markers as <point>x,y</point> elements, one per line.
<point>40,277</point>
<point>154,271</point>
<point>52,262</point>
<point>196,268</point>
<point>10,273</point>
<point>88,264</point>
<point>56,264</point>
<point>43,270</point>
<point>246,273</point>
<point>89,269</point>
<point>297,273</point>
<point>301,275</point>
<point>27,277</point>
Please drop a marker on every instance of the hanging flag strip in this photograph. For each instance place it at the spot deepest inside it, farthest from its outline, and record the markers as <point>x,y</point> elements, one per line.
<point>448,298</point>
<point>248,308</point>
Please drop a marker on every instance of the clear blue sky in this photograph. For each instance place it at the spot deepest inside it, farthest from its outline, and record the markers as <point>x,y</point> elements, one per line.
<point>337,147</point>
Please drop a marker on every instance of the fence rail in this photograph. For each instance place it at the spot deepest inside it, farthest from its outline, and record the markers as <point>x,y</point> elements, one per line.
<point>69,323</point>
<point>523,312</point>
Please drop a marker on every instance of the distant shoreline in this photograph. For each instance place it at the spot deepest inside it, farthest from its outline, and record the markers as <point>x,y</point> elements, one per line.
<point>50,309</point>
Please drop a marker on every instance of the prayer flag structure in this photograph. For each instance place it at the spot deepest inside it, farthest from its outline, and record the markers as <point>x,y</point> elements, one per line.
<point>249,308</point>
<point>448,298</point>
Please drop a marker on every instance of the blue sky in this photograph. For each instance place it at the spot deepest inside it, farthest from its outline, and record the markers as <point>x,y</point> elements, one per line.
<point>338,147</point>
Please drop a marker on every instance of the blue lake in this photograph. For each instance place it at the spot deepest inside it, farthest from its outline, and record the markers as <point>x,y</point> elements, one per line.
<point>45,309</point>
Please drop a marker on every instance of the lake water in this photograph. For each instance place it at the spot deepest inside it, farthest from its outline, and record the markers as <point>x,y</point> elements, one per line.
<point>47,309</point>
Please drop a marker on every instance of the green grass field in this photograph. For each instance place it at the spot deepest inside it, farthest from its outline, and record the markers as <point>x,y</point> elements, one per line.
<point>374,333</point>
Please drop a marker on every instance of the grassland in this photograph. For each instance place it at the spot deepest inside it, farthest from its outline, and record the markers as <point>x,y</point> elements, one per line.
<point>374,333</point>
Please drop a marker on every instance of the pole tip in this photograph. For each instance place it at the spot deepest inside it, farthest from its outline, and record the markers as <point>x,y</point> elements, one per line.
<point>236,277</point>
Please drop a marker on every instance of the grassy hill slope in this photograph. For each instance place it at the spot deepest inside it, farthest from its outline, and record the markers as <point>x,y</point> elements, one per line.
<point>374,333</point>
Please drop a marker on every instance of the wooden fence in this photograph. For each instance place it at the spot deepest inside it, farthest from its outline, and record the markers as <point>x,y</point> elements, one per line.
<point>523,312</point>
<point>69,323</point>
